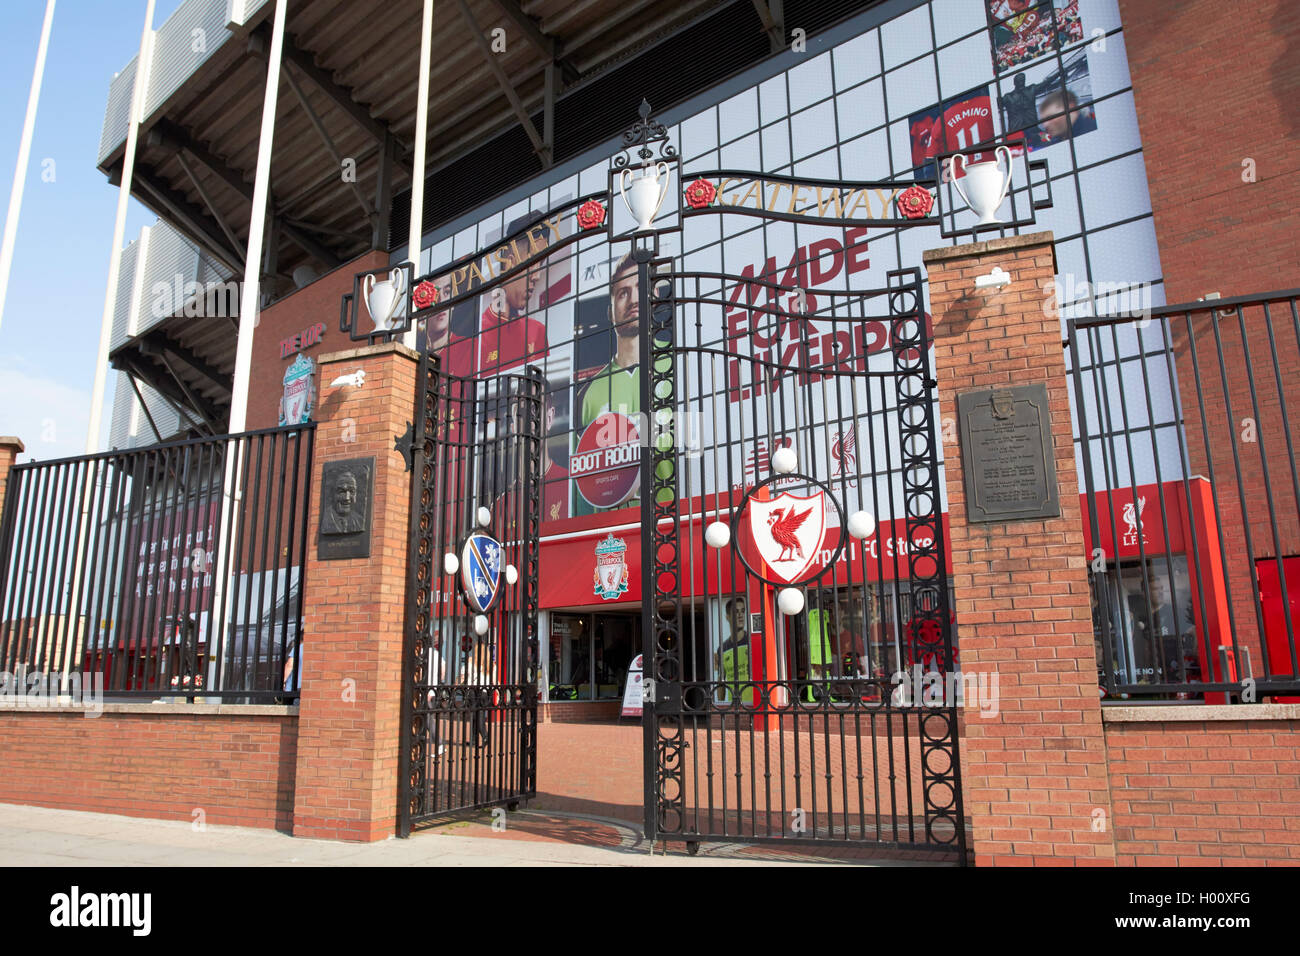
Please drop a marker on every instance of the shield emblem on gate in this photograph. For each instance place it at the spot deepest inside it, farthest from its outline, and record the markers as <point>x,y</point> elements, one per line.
<point>480,563</point>
<point>788,531</point>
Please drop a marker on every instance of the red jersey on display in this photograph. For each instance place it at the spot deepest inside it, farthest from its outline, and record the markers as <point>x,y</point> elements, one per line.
<point>505,342</point>
<point>967,122</point>
<point>457,356</point>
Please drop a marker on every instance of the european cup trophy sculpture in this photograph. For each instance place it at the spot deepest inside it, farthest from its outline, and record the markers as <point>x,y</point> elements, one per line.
<point>986,187</point>
<point>384,298</point>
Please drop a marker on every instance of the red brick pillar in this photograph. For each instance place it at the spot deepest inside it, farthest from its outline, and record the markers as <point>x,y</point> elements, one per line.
<point>346,781</point>
<point>1034,771</point>
<point>10,449</point>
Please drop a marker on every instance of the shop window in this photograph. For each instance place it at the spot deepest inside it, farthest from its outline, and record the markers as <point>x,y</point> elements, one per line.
<point>1146,609</point>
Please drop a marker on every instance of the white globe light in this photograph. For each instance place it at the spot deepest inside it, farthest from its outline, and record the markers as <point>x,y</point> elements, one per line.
<point>717,534</point>
<point>450,563</point>
<point>512,574</point>
<point>790,601</point>
<point>484,517</point>
<point>861,524</point>
<point>480,625</point>
<point>784,461</point>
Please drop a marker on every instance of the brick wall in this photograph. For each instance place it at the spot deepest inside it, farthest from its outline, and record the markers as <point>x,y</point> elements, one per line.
<point>309,306</point>
<point>1206,793</point>
<point>353,612</point>
<point>10,449</point>
<point>237,768</point>
<point>581,711</point>
<point>1217,83</point>
<point>1034,773</point>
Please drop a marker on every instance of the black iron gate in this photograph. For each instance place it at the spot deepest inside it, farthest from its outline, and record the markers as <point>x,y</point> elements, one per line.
<point>469,710</point>
<point>813,480</point>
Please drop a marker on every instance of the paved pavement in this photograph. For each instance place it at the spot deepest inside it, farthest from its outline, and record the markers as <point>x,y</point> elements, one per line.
<point>36,836</point>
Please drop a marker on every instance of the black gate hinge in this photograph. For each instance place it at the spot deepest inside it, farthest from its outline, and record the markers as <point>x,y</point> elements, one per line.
<point>405,443</point>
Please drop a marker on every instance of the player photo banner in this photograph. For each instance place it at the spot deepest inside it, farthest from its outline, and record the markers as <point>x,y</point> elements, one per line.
<point>1051,110</point>
<point>955,124</point>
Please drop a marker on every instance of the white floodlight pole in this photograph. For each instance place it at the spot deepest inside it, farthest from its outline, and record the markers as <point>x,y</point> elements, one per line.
<point>24,154</point>
<point>139,86</point>
<point>416,231</point>
<point>138,90</point>
<point>250,298</point>
<point>249,306</point>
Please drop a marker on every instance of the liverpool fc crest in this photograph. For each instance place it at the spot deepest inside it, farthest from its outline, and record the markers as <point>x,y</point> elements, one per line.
<point>787,531</point>
<point>611,567</point>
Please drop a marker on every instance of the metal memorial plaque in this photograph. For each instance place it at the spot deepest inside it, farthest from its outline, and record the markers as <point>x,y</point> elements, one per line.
<point>1007,455</point>
<point>346,502</point>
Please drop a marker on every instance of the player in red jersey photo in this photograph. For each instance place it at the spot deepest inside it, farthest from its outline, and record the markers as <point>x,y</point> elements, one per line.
<point>456,352</point>
<point>509,337</point>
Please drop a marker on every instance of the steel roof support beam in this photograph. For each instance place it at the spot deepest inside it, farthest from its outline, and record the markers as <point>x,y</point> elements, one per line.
<point>164,342</point>
<point>144,407</point>
<point>169,204</point>
<point>340,95</point>
<point>328,140</point>
<point>163,386</point>
<point>381,225</point>
<point>207,201</point>
<point>177,138</point>
<point>539,145</point>
<point>772,14</point>
<point>547,45</point>
<point>197,402</point>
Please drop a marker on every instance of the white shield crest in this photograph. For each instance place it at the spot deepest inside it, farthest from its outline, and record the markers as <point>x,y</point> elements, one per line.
<point>788,531</point>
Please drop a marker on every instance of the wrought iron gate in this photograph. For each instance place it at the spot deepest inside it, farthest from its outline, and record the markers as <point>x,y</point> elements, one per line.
<point>812,493</point>
<point>469,710</point>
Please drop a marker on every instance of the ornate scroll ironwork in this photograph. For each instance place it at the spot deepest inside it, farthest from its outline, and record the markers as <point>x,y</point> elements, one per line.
<point>661,561</point>
<point>931,622</point>
<point>643,135</point>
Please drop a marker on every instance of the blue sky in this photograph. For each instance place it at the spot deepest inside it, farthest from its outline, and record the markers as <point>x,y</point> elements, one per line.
<point>50,333</point>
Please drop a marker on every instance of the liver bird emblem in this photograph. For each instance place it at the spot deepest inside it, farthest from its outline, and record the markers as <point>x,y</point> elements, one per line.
<point>785,524</point>
<point>842,450</point>
<point>788,531</point>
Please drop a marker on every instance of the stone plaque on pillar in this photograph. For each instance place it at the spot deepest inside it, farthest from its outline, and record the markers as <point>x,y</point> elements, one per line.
<point>1007,455</point>
<point>346,503</point>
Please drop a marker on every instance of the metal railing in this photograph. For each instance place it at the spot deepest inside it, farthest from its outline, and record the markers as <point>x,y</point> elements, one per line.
<point>1191,497</point>
<point>174,570</point>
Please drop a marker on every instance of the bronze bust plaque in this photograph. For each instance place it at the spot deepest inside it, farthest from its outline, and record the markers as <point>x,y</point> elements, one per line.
<point>346,501</point>
<point>1007,455</point>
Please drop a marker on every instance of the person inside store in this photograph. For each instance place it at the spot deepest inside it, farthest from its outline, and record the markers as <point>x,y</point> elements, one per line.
<point>821,625</point>
<point>437,674</point>
<point>478,675</point>
<point>732,657</point>
<point>1174,647</point>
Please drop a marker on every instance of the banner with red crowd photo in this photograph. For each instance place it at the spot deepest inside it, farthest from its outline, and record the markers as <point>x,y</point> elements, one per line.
<point>1024,30</point>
